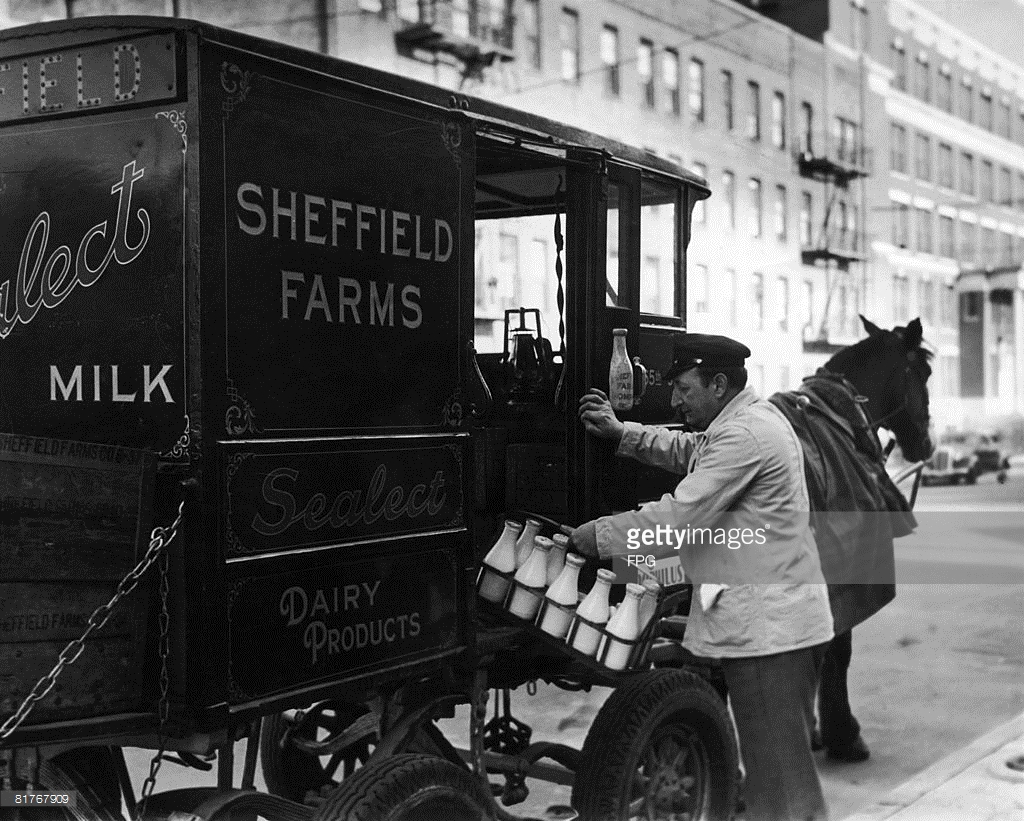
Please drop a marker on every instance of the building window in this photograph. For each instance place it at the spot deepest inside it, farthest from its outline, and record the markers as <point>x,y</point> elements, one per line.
<point>926,301</point>
<point>779,120</point>
<point>901,225</point>
<point>610,60</point>
<point>947,237</point>
<point>967,173</point>
<point>782,302</point>
<point>923,157</point>
<point>924,230</point>
<point>756,207</point>
<point>754,111</point>
<point>985,112</point>
<point>806,217</point>
<point>371,5</point>
<point>846,139</point>
<point>695,91</point>
<point>842,221</point>
<point>947,306</point>
<point>967,98</point>
<point>729,197</point>
<point>946,165</point>
<point>1008,244</point>
<point>944,89</point>
<point>988,245</point>
<point>968,242</point>
<point>985,182</point>
<point>898,148</point>
<point>531,32</point>
<point>727,100</point>
<point>757,300</point>
<point>730,296</point>
<point>701,289</point>
<point>1005,187</point>
<point>700,213</point>
<point>852,228</point>
<point>1005,118</point>
<point>670,79</point>
<point>900,298</point>
<point>645,68</point>
<point>808,307</point>
<point>970,306</point>
<point>780,212</point>
<point>898,57</point>
<point>806,128</point>
<point>923,77</point>
<point>569,37</point>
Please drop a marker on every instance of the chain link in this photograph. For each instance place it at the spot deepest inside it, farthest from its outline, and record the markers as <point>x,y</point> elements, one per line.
<point>165,622</point>
<point>159,538</point>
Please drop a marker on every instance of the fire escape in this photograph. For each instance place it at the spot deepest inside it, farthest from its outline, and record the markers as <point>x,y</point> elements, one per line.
<point>839,240</point>
<point>477,33</point>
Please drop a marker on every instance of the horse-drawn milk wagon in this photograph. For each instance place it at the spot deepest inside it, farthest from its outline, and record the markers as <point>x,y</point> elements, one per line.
<point>260,418</point>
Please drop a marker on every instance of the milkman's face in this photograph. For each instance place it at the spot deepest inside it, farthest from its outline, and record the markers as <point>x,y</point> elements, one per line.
<point>694,402</point>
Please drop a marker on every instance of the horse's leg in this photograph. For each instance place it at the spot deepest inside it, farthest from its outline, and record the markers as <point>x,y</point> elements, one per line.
<point>840,731</point>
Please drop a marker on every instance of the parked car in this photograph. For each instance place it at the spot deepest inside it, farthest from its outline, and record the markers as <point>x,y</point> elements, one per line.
<point>987,450</point>
<point>950,464</point>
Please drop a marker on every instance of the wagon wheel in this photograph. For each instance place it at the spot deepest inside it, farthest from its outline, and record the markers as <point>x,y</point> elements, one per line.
<point>89,771</point>
<point>661,747</point>
<point>291,772</point>
<point>408,787</point>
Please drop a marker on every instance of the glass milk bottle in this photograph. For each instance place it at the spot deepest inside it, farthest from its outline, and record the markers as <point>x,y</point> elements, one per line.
<point>594,608</point>
<point>525,542</point>
<point>530,581</point>
<point>625,625</point>
<point>563,592</point>
<point>620,373</point>
<point>556,557</point>
<point>649,603</point>
<point>502,558</point>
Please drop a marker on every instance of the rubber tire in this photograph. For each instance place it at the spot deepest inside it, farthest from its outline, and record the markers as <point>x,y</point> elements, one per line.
<point>93,772</point>
<point>408,787</point>
<point>626,723</point>
<point>971,478</point>
<point>291,773</point>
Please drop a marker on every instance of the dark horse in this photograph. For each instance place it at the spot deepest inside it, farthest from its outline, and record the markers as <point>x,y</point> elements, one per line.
<point>880,381</point>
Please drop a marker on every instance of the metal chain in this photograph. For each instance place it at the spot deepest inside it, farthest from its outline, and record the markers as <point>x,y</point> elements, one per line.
<point>159,538</point>
<point>165,622</point>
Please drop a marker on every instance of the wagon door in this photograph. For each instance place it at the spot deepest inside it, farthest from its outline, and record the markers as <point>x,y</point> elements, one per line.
<point>632,277</point>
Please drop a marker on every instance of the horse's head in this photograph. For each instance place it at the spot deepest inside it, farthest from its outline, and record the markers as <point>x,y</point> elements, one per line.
<point>891,369</point>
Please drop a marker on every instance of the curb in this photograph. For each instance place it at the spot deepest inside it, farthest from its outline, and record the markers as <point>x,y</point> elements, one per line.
<point>940,772</point>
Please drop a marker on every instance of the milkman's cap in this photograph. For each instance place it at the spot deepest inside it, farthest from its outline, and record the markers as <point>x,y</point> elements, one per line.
<point>709,350</point>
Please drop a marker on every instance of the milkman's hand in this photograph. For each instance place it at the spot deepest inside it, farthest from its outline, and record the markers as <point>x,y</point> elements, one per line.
<point>584,540</point>
<point>598,417</point>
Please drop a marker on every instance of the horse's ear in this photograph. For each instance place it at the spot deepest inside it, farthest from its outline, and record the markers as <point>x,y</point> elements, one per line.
<point>912,339</point>
<point>870,326</point>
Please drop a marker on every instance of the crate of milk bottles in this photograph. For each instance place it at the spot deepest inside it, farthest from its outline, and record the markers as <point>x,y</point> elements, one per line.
<point>534,580</point>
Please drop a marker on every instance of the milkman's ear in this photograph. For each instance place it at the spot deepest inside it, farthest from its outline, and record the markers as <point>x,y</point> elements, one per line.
<point>870,326</point>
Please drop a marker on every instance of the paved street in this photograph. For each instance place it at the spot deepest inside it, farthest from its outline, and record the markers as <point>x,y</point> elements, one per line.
<point>936,669</point>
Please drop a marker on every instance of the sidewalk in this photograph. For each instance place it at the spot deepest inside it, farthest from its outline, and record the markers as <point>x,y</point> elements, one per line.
<point>972,784</point>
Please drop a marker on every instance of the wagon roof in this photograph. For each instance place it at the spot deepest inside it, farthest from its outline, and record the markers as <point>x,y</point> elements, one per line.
<point>56,34</point>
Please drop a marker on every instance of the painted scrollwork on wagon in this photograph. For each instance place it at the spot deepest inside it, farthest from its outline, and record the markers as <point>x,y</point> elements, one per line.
<point>451,136</point>
<point>237,89</point>
<point>177,119</point>
<point>180,448</point>
<point>240,418</point>
<point>234,544</point>
<point>454,411</point>
<point>456,452</point>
